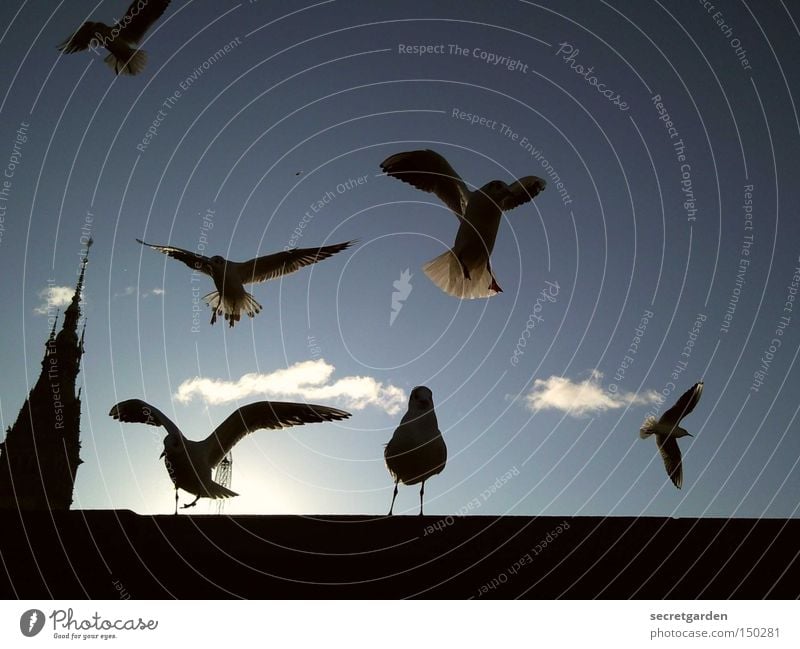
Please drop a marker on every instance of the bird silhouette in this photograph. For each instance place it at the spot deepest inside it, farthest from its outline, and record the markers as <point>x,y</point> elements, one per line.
<point>190,463</point>
<point>667,431</point>
<point>465,270</point>
<point>229,277</point>
<point>121,38</point>
<point>417,450</point>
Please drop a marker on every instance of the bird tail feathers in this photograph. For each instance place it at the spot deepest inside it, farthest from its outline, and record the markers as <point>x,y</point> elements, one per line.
<point>129,61</point>
<point>648,427</point>
<point>218,491</point>
<point>447,272</point>
<point>232,312</point>
<point>250,306</point>
<point>212,299</point>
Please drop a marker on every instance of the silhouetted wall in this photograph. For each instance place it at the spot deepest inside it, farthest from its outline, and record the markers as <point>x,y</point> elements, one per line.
<point>113,554</point>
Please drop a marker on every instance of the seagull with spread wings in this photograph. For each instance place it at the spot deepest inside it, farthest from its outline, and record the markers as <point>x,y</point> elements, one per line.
<point>119,39</point>
<point>229,277</point>
<point>190,463</point>
<point>667,431</point>
<point>465,270</point>
<point>417,450</point>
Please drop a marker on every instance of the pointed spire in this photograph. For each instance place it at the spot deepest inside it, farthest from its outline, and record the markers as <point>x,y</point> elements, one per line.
<point>72,314</point>
<point>79,287</point>
<point>53,330</point>
<point>49,422</point>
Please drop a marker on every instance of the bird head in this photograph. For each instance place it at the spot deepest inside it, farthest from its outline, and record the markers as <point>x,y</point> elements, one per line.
<point>495,190</point>
<point>172,446</point>
<point>217,261</point>
<point>421,399</point>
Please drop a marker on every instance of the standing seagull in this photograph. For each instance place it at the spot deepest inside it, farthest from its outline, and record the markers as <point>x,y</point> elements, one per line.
<point>417,450</point>
<point>464,271</point>
<point>190,463</point>
<point>667,431</point>
<point>229,277</point>
<point>121,38</point>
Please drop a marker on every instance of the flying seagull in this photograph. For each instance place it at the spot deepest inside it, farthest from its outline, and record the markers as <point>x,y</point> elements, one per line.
<point>229,277</point>
<point>465,270</point>
<point>417,450</point>
<point>190,463</point>
<point>667,431</point>
<point>121,38</point>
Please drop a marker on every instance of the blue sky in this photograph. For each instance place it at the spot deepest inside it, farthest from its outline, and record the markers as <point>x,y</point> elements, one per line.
<point>673,234</point>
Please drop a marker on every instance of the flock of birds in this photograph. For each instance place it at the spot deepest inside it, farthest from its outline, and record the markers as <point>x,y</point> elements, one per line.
<point>417,450</point>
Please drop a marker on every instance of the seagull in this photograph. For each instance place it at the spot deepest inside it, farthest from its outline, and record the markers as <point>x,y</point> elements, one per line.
<point>190,463</point>
<point>667,431</point>
<point>464,271</point>
<point>417,450</point>
<point>229,277</point>
<point>121,38</point>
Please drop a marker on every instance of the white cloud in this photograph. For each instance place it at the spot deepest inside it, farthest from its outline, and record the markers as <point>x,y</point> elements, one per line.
<point>307,380</point>
<point>131,290</point>
<point>581,398</point>
<point>54,297</point>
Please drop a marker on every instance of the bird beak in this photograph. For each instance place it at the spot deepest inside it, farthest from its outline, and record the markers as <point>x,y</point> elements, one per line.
<point>163,453</point>
<point>690,435</point>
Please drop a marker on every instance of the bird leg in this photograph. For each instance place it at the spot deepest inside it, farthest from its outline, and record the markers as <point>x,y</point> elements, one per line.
<point>191,504</point>
<point>464,269</point>
<point>421,493</point>
<point>393,497</point>
<point>213,316</point>
<point>494,286</point>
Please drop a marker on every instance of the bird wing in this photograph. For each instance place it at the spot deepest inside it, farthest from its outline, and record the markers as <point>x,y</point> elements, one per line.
<point>81,39</point>
<point>264,414</point>
<point>671,454</point>
<point>683,406</point>
<point>393,451</point>
<point>140,17</point>
<point>192,260</point>
<point>430,172</point>
<point>136,411</point>
<point>261,269</point>
<point>522,191</point>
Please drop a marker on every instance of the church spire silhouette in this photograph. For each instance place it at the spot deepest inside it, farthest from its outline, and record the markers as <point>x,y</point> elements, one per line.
<point>41,452</point>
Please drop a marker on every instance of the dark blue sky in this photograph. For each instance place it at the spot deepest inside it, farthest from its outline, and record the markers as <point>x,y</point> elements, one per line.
<point>668,253</point>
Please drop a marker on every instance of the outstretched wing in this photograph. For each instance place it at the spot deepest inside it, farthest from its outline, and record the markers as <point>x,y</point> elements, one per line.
<point>192,260</point>
<point>140,17</point>
<point>522,191</point>
<point>136,411</point>
<point>261,269</point>
<point>81,39</point>
<point>264,414</point>
<point>683,406</point>
<point>430,172</point>
<point>671,454</point>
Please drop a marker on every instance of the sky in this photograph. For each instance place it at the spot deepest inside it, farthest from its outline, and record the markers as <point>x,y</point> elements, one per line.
<point>665,249</point>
